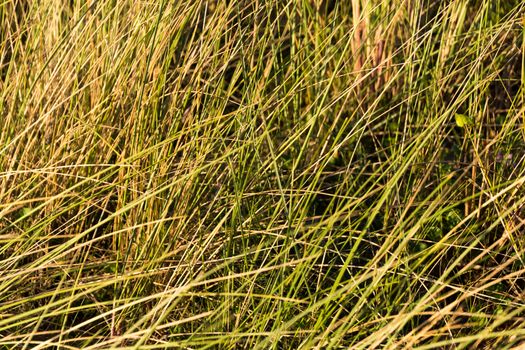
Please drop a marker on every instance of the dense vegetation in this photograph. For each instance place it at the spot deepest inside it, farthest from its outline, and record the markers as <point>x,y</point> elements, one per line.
<point>262,174</point>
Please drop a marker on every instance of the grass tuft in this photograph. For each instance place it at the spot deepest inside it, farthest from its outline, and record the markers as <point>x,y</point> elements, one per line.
<point>262,174</point>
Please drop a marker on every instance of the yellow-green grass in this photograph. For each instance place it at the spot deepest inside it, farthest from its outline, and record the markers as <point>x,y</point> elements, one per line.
<point>262,174</point>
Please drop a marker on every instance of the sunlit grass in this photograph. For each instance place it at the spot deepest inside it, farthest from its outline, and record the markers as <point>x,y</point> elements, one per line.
<point>262,174</point>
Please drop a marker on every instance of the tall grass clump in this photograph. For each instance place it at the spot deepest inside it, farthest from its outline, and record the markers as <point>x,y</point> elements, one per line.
<point>262,174</point>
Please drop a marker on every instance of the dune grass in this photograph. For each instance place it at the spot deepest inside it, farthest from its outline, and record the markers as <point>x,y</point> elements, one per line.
<point>262,174</point>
